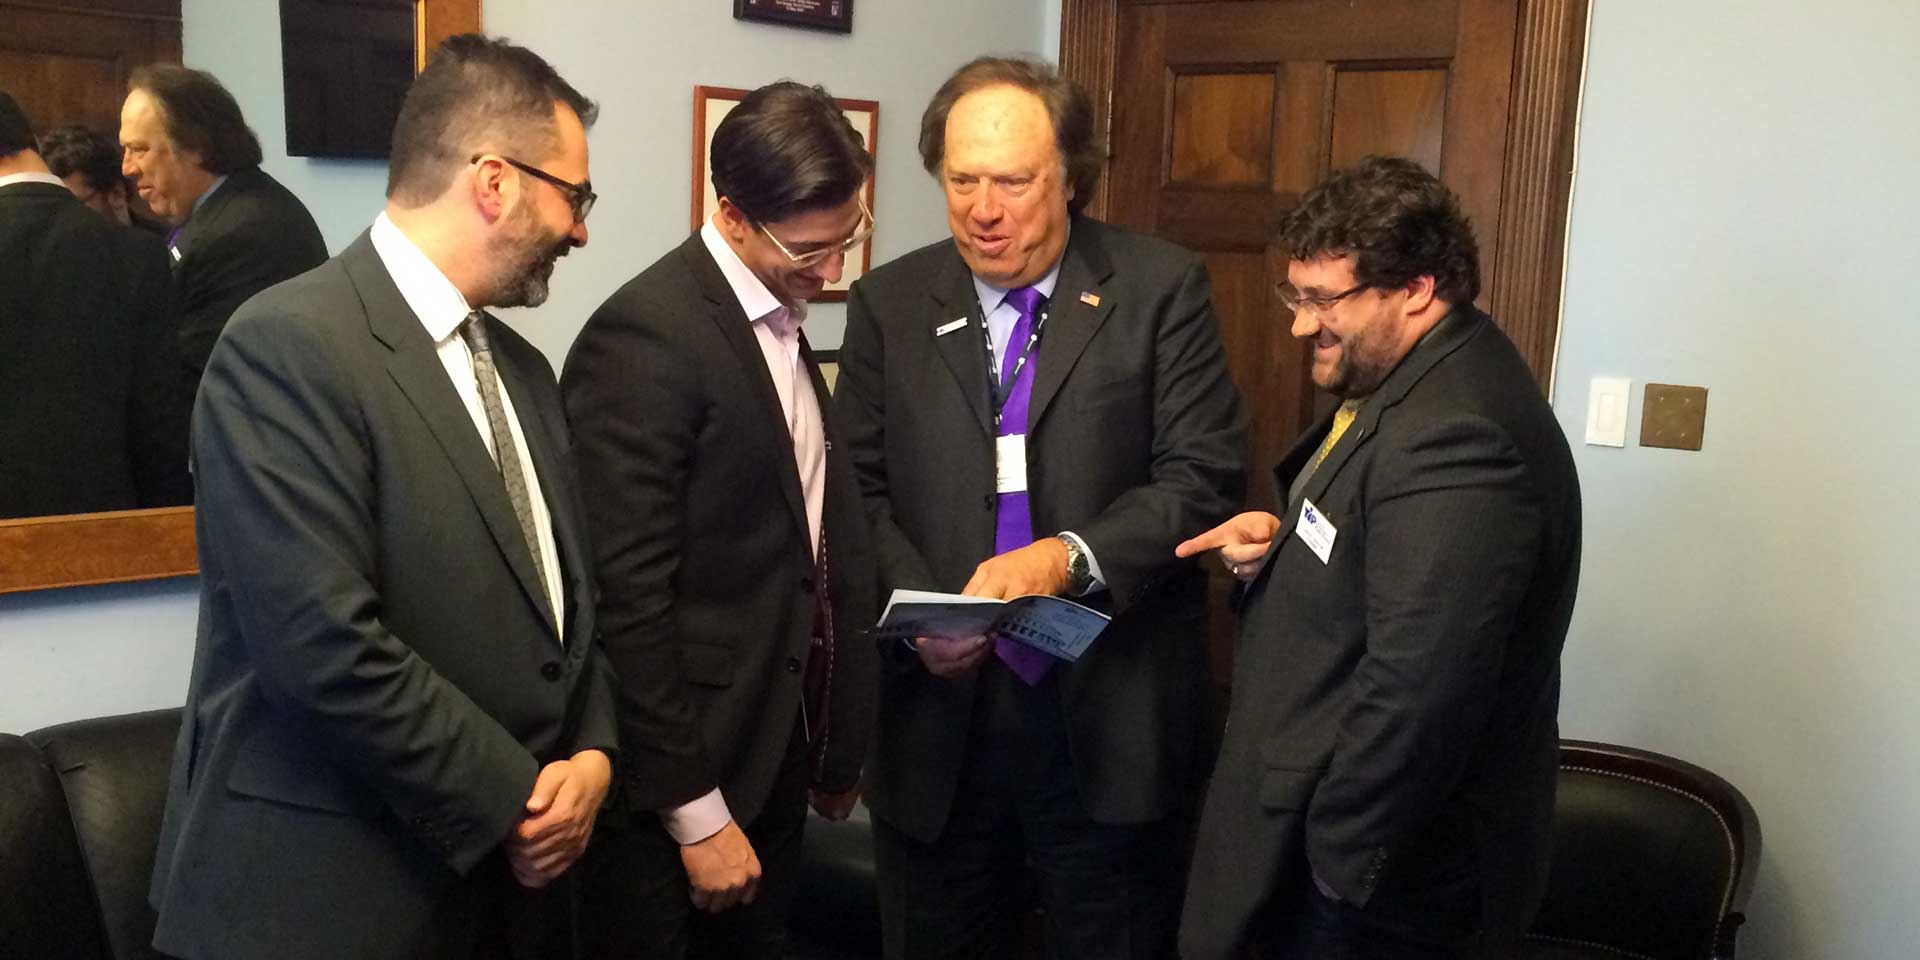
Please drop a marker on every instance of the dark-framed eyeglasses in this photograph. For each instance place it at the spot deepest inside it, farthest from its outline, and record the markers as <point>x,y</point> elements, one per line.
<point>1296,301</point>
<point>580,196</point>
<point>808,258</point>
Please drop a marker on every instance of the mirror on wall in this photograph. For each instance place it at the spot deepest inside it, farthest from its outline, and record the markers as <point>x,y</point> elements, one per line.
<point>346,66</point>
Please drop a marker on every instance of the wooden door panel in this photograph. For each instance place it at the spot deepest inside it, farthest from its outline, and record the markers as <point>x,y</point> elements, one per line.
<point>71,65</point>
<point>1221,129</point>
<point>1388,109</point>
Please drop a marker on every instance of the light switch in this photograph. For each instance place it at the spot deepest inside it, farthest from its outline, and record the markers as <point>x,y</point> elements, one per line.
<point>1607,411</point>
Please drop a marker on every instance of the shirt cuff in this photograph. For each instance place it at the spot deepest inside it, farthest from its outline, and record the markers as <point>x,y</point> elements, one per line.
<point>1098,583</point>
<point>698,819</point>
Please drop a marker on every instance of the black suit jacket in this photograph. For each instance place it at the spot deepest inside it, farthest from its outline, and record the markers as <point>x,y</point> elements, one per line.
<point>376,680</point>
<point>1135,439</point>
<point>93,406</point>
<point>1393,725</point>
<point>706,568</point>
<point>250,234</point>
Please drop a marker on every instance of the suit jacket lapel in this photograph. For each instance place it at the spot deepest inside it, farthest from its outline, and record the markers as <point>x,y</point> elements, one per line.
<point>1072,321</point>
<point>726,313</point>
<point>209,214</point>
<point>416,369</point>
<point>1448,335</point>
<point>965,348</point>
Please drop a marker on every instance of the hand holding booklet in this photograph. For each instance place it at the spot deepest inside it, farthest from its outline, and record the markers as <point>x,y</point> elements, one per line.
<point>1053,625</point>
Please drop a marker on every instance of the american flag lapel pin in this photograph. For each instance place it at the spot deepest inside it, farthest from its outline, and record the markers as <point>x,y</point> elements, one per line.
<point>1090,298</point>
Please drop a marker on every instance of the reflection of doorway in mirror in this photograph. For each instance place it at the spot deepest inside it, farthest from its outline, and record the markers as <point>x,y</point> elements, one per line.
<point>712,104</point>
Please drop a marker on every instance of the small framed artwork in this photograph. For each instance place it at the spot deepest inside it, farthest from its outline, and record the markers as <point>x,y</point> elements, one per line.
<point>710,106</point>
<point>834,15</point>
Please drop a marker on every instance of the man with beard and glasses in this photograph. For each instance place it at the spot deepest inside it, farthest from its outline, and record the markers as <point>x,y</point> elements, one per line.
<point>1385,789</point>
<point>398,731</point>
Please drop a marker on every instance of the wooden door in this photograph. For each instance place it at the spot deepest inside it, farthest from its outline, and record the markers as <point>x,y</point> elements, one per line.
<point>68,62</point>
<point>1221,114</point>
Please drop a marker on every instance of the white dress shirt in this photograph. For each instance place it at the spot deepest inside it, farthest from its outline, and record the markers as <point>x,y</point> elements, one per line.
<point>13,178</point>
<point>441,309</point>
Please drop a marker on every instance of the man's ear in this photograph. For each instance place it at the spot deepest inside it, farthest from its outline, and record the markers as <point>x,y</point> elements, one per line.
<point>1420,293</point>
<point>734,222</point>
<point>493,191</point>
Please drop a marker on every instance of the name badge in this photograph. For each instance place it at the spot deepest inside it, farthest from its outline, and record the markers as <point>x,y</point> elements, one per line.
<point>1315,530</point>
<point>1010,464</point>
<point>949,327</point>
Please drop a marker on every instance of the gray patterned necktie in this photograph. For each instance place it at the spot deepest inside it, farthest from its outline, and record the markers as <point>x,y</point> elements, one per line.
<point>506,454</point>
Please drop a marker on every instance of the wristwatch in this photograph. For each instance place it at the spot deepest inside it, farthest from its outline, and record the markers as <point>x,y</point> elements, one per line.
<point>1079,569</point>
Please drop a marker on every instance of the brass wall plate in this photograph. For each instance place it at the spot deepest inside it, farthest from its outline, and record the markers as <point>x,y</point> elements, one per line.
<point>1673,417</point>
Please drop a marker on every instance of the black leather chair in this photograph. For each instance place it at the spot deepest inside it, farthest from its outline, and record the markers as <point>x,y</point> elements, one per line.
<point>79,810</point>
<point>1653,858</point>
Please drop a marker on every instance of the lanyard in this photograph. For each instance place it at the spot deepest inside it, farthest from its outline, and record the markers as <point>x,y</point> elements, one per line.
<point>1002,390</point>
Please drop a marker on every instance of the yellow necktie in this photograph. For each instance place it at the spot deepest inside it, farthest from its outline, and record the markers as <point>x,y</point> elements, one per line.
<point>1342,419</point>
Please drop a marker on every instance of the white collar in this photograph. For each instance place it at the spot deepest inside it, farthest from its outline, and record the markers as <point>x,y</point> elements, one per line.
<point>754,297</point>
<point>34,177</point>
<point>434,299</point>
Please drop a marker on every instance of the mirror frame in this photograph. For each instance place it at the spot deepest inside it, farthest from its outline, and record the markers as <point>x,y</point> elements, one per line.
<point>82,549</point>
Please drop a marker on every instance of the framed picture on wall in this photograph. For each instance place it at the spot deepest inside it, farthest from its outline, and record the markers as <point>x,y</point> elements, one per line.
<point>710,106</point>
<point>834,15</point>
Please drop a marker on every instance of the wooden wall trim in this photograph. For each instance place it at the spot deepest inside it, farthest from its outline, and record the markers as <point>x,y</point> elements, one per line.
<point>88,548</point>
<point>436,20</point>
<point>1538,185</point>
<point>1088,33</point>
<point>89,11</point>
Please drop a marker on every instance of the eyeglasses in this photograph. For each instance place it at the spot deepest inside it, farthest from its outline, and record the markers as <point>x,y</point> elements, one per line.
<point>1294,301</point>
<point>808,258</point>
<point>580,196</point>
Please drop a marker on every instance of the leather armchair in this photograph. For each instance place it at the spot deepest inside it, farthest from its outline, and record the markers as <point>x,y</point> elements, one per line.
<point>1653,858</point>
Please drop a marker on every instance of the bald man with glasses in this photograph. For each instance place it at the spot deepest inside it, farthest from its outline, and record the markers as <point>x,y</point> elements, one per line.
<point>733,555</point>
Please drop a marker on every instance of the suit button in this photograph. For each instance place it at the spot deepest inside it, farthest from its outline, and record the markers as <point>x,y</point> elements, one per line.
<point>806,584</point>
<point>986,502</point>
<point>793,664</point>
<point>550,670</point>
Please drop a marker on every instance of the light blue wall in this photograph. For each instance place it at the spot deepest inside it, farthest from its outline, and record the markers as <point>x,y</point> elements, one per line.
<point>1744,220</point>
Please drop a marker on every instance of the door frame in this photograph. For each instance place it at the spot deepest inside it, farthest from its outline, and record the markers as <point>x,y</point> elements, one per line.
<point>1536,186</point>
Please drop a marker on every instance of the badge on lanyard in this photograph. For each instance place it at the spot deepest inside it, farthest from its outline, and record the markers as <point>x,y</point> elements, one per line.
<point>1010,464</point>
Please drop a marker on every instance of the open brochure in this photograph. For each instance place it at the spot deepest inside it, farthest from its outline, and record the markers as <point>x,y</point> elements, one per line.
<point>1052,625</point>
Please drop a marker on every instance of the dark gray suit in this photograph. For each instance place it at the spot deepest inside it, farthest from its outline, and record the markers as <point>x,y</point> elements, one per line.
<point>1393,726</point>
<point>93,403</point>
<point>709,590</point>
<point>377,680</point>
<point>1136,438</point>
<point>249,235</point>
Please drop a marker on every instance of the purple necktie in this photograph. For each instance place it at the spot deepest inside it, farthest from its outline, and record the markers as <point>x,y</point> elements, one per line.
<point>1013,523</point>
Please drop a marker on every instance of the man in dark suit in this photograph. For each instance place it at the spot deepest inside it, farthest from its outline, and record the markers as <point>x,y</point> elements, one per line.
<point>1040,373</point>
<point>398,720</point>
<point>196,163</point>
<point>93,412</point>
<point>734,565</point>
<point>1386,785</point>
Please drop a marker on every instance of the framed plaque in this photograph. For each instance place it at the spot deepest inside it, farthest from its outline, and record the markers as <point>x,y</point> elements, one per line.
<point>710,106</point>
<point>834,15</point>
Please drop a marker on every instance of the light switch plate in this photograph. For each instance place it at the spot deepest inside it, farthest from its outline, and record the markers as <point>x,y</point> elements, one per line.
<point>1607,411</point>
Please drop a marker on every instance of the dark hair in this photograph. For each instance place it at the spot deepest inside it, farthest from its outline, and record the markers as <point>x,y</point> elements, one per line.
<point>476,95</point>
<point>1068,106</point>
<point>1396,220</point>
<point>201,117</point>
<point>787,149</point>
<point>16,134</point>
<point>76,149</point>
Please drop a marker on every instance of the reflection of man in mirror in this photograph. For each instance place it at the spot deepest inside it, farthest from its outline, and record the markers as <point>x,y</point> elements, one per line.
<point>89,164</point>
<point>734,568</point>
<point>92,404</point>
<point>236,230</point>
